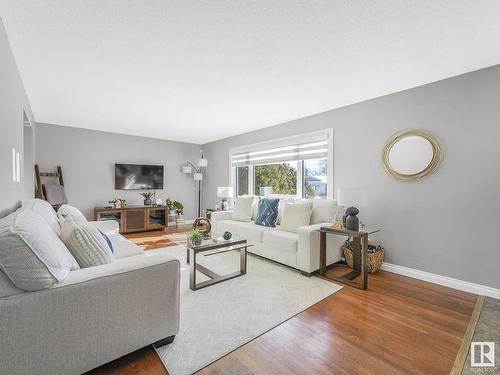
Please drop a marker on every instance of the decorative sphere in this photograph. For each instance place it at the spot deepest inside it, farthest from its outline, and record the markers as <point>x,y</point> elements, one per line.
<point>227,235</point>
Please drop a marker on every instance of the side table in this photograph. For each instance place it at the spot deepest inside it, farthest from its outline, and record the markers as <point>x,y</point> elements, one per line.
<point>360,255</point>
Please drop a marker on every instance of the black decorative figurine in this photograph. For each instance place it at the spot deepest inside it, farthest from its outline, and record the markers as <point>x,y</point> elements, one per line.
<point>227,236</point>
<point>351,220</point>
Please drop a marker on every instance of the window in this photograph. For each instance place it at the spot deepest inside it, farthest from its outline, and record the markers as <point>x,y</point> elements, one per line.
<point>276,178</point>
<point>296,166</point>
<point>242,180</point>
<point>315,178</point>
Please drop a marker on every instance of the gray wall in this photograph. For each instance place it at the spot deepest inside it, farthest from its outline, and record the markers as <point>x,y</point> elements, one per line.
<point>87,159</point>
<point>13,101</point>
<point>440,224</point>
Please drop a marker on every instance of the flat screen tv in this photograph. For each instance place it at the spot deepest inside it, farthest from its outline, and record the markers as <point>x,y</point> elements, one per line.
<point>138,177</point>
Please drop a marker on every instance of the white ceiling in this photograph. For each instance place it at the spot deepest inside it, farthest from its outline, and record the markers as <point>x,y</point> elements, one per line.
<point>198,71</point>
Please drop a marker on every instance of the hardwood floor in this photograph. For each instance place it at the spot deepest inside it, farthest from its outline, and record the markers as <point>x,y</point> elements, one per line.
<point>398,326</point>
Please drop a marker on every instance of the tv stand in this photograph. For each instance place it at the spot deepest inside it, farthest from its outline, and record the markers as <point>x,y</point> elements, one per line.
<point>135,218</point>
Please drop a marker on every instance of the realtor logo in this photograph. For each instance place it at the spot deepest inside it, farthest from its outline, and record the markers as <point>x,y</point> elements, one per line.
<point>482,354</point>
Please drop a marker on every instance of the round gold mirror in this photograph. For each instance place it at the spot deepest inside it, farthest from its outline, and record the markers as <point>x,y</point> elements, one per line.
<point>412,154</point>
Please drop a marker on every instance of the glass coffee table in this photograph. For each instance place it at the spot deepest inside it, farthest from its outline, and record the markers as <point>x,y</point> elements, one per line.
<point>213,247</point>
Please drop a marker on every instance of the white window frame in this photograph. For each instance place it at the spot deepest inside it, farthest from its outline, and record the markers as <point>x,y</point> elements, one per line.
<point>281,142</point>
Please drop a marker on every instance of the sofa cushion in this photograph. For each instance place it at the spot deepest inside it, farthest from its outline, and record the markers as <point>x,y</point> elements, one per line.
<point>46,211</point>
<point>323,211</point>
<point>227,226</point>
<point>285,241</point>
<point>296,215</point>
<point>243,207</point>
<point>267,214</point>
<point>86,244</point>
<point>122,247</point>
<point>252,232</point>
<point>70,213</point>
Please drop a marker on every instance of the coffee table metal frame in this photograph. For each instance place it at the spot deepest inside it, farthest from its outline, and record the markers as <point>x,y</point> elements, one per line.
<point>216,247</point>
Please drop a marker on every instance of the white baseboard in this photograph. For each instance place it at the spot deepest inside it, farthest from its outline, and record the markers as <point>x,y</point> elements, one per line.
<point>442,280</point>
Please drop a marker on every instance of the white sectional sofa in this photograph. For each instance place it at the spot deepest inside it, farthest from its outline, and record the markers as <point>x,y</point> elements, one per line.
<point>299,250</point>
<point>93,316</point>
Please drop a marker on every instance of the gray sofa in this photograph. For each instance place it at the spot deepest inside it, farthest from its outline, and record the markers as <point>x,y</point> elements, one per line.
<point>93,316</point>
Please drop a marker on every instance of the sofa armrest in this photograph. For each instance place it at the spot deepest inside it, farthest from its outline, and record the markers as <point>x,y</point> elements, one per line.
<point>94,316</point>
<point>308,247</point>
<point>107,226</point>
<point>219,216</point>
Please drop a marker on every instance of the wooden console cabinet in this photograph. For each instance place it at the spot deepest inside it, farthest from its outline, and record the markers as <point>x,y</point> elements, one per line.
<point>135,218</point>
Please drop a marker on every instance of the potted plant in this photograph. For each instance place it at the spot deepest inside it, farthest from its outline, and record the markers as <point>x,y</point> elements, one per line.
<point>196,237</point>
<point>169,203</point>
<point>148,201</point>
<point>118,202</point>
<point>179,210</point>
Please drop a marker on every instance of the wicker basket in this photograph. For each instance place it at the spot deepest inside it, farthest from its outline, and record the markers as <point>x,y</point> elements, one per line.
<point>374,259</point>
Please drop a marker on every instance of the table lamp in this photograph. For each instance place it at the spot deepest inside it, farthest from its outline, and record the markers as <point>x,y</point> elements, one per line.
<point>350,198</point>
<point>224,192</point>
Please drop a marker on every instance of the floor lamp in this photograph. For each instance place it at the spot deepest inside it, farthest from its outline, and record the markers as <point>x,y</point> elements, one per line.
<point>189,168</point>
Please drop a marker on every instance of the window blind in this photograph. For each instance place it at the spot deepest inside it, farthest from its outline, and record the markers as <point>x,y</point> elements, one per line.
<point>312,149</point>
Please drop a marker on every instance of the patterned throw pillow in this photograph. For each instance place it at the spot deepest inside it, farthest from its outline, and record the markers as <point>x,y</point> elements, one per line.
<point>267,214</point>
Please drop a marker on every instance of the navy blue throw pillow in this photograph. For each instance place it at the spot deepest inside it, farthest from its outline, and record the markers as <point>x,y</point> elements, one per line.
<point>107,240</point>
<point>267,213</point>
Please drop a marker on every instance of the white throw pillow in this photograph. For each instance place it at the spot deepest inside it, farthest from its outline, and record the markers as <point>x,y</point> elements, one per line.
<point>255,207</point>
<point>70,213</point>
<point>323,211</point>
<point>296,215</point>
<point>46,245</point>
<point>283,202</point>
<point>87,244</point>
<point>18,262</point>
<point>45,210</point>
<point>243,207</point>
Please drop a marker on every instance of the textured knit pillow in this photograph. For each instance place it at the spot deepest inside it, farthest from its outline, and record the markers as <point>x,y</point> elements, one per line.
<point>70,213</point>
<point>296,215</point>
<point>243,207</point>
<point>86,244</point>
<point>267,214</point>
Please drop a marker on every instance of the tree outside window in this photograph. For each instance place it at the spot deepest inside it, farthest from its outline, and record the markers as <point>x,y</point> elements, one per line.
<point>281,177</point>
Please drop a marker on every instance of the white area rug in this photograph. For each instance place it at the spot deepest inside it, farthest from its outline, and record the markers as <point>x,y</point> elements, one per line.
<point>219,318</point>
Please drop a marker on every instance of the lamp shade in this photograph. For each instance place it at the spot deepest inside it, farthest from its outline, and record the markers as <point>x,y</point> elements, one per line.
<point>198,176</point>
<point>187,169</point>
<point>224,191</point>
<point>352,197</point>
<point>202,162</point>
